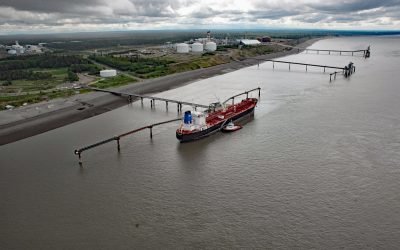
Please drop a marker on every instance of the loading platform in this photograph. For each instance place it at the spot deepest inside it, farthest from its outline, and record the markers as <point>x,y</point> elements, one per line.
<point>366,52</point>
<point>152,99</point>
<point>347,70</point>
<point>118,137</point>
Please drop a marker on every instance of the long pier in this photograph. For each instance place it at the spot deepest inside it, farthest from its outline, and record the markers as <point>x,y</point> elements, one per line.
<point>347,70</point>
<point>243,93</point>
<point>366,52</point>
<point>118,137</point>
<point>152,99</point>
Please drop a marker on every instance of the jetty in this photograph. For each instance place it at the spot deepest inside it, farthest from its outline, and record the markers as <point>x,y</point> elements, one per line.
<point>365,52</point>
<point>153,99</point>
<point>347,70</point>
<point>117,138</point>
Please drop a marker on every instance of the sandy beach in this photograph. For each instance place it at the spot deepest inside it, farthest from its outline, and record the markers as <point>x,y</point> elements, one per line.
<point>38,118</point>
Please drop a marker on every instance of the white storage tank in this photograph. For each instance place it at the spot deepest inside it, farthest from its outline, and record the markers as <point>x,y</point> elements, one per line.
<point>182,48</point>
<point>197,47</point>
<point>12,52</point>
<point>211,46</point>
<point>108,73</point>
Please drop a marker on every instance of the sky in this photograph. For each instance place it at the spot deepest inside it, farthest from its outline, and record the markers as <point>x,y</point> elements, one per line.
<point>53,16</point>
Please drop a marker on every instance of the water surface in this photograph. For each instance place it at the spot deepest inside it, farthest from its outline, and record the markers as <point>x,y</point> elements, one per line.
<point>318,167</point>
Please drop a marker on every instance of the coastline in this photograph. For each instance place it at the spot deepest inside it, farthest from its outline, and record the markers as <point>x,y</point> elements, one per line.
<point>19,126</point>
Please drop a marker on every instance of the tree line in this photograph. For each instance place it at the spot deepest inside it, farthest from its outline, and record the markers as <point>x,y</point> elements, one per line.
<point>41,61</point>
<point>23,74</point>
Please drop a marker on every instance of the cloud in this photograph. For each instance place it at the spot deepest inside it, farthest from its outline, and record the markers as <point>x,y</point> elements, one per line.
<point>75,15</point>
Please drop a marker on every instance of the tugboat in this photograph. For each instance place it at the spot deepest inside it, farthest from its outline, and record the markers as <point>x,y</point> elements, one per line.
<point>197,125</point>
<point>231,127</point>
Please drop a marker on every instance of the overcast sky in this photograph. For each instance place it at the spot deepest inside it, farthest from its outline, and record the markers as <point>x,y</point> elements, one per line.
<point>43,16</point>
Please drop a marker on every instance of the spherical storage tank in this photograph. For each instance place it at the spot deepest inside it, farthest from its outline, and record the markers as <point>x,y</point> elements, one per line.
<point>211,46</point>
<point>182,48</point>
<point>197,47</point>
<point>108,73</point>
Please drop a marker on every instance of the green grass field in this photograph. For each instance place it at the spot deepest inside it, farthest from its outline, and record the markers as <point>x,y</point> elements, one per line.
<point>118,80</point>
<point>58,77</point>
<point>17,101</point>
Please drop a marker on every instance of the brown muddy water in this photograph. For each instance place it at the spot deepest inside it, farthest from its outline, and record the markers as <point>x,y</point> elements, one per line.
<point>318,167</point>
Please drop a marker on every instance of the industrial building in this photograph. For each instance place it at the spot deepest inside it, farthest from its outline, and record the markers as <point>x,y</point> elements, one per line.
<point>249,42</point>
<point>108,73</point>
<point>265,39</point>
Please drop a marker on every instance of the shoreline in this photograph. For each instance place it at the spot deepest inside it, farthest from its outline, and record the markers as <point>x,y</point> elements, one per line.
<point>84,106</point>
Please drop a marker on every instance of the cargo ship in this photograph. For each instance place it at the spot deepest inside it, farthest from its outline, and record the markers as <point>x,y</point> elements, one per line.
<point>197,124</point>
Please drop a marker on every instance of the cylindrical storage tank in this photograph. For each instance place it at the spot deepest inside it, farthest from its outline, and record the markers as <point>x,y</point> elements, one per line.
<point>211,46</point>
<point>108,73</point>
<point>197,47</point>
<point>12,52</point>
<point>182,48</point>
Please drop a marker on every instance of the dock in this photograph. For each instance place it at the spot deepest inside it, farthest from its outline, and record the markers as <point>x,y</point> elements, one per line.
<point>347,70</point>
<point>153,99</point>
<point>117,138</point>
<point>365,52</point>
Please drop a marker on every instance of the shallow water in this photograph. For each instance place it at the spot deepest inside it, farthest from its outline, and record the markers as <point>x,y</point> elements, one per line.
<point>318,167</point>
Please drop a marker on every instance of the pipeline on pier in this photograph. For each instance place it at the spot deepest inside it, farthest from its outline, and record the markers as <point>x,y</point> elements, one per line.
<point>118,137</point>
<point>347,70</point>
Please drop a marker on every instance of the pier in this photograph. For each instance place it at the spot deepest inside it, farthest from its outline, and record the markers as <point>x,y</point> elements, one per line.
<point>243,93</point>
<point>347,70</point>
<point>366,52</point>
<point>152,99</point>
<point>118,137</point>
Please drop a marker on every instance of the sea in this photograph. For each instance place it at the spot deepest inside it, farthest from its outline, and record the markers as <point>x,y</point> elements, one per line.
<point>318,167</point>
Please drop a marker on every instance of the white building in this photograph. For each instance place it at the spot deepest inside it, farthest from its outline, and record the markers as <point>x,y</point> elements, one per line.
<point>249,42</point>
<point>33,49</point>
<point>108,73</point>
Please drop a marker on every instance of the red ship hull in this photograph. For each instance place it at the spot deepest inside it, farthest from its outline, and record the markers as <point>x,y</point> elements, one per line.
<point>217,120</point>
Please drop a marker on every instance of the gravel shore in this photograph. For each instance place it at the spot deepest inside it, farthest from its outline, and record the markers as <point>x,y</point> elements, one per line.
<point>38,118</point>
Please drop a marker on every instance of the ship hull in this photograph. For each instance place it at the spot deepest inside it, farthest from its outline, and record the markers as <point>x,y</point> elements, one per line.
<point>211,130</point>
